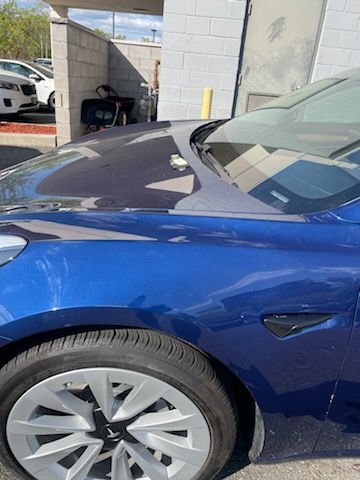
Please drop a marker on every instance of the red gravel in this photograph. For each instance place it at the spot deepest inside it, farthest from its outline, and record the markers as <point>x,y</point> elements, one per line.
<point>27,128</point>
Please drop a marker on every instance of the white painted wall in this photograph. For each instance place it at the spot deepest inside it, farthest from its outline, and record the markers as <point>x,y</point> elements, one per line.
<point>339,47</point>
<point>131,64</point>
<point>200,48</point>
<point>80,65</point>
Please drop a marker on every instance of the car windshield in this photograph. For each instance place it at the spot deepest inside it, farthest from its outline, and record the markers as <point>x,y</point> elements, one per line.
<point>45,71</point>
<point>299,153</point>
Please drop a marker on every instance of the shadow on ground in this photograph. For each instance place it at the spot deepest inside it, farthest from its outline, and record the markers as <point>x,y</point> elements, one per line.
<point>238,461</point>
<point>41,116</point>
<point>12,155</point>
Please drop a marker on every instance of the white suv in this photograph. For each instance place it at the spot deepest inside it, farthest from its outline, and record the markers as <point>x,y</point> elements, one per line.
<point>43,78</point>
<point>45,62</point>
<point>17,94</point>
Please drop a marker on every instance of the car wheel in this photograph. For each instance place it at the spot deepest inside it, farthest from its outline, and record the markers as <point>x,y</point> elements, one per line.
<point>122,119</point>
<point>51,102</point>
<point>127,404</point>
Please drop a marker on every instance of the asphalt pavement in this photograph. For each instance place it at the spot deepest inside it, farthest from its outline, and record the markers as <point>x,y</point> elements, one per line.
<point>310,470</point>
<point>238,468</point>
<point>41,116</point>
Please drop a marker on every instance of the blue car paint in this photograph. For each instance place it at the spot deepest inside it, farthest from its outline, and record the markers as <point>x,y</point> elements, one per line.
<point>208,281</point>
<point>204,263</point>
<point>341,430</point>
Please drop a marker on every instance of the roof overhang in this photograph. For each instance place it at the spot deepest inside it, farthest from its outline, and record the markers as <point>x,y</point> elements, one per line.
<point>149,7</point>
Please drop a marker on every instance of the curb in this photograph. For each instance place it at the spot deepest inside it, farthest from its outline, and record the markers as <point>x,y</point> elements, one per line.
<point>27,140</point>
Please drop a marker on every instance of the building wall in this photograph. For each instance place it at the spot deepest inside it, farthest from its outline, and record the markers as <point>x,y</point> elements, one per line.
<point>339,47</point>
<point>81,60</point>
<point>130,65</point>
<point>201,46</point>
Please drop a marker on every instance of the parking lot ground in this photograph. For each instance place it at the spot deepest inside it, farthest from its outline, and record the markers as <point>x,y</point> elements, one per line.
<point>239,468</point>
<point>42,116</point>
<point>309,470</point>
<point>28,130</point>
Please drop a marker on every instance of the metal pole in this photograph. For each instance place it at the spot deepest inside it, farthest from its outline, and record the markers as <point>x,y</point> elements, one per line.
<point>154,34</point>
<point>114,25</point>
<point>207,103</point>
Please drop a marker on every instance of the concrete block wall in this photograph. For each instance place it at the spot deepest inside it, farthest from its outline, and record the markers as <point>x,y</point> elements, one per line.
<point>81,61</point>
<point>339,46</point>
<point>200,48</point>
<point>130,64</point>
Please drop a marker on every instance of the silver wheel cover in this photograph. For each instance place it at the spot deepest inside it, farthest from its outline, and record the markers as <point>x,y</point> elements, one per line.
<point>107,424</point>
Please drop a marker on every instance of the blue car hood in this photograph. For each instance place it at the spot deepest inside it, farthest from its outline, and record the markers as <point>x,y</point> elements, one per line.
<point>124,168</point>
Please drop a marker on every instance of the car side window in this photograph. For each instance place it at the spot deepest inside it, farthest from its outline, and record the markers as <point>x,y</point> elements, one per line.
<point>20,69</point>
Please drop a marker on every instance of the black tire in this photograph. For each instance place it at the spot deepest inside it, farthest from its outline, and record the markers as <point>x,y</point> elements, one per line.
<point>51,102</point>
<point>143,351</point>
<point>122,119</point>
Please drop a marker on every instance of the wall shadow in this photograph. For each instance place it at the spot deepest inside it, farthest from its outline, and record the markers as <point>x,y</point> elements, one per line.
<point>13,155</point>
<point>130,65</point>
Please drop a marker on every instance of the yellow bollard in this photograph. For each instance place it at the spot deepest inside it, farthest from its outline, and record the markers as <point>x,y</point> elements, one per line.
<point>207,103</point>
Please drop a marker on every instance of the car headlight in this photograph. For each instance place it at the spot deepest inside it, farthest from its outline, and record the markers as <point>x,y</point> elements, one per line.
<point>10,247</point>
<point>8,86</point>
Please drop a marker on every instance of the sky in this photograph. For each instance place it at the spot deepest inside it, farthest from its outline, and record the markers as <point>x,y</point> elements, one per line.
<point>134,26</point>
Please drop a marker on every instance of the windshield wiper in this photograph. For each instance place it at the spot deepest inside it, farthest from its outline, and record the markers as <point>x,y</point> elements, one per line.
<point>201,133</point>
<point>204,151</point>
<point>208,159</point>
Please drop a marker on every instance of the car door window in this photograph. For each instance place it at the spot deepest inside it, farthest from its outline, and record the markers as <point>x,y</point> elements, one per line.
<point>20,69</point>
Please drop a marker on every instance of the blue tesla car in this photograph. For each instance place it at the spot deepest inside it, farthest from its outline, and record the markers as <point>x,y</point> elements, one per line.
<point>169,288</point>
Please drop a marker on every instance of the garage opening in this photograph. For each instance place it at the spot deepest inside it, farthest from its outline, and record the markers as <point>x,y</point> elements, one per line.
<point>84,59</point>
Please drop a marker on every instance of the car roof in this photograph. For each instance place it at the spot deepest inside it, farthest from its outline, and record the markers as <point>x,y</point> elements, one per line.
<point>8,60</point>
<point>14,76</point>
<point>28,63</point>
<point>11,60</point>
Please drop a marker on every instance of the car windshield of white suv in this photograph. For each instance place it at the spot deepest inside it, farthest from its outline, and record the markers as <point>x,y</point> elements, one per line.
<point>299,153</point>
<point>45,71</point>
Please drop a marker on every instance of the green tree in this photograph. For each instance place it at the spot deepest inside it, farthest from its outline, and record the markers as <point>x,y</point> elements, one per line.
<point>100,32</point>
<point>23,31</point>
